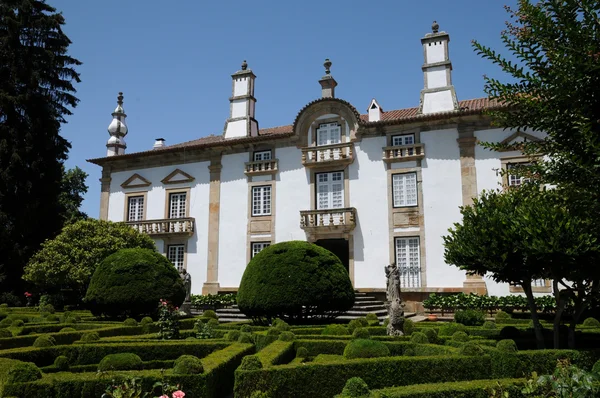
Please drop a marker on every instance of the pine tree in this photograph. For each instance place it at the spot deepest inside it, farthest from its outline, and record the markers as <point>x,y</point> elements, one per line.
<point>36,92</point>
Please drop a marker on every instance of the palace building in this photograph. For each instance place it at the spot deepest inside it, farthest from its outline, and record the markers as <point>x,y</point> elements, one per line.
<point>375,188</point>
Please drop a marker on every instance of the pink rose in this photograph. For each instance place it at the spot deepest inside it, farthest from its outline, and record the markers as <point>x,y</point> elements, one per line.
<point>178,394</point>
<point>164,396</point>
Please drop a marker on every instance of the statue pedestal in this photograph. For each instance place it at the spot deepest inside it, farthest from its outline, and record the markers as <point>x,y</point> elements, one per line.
<point>186,307</point>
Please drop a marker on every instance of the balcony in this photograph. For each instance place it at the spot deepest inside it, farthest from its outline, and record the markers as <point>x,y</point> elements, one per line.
<point>164,228</point>
<point>326,155</point>
<point>261,167</point>
<point>403,153</point>
<point>328,221</point>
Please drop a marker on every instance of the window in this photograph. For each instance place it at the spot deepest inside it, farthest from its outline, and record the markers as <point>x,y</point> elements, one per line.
<point>135,208</point>
<point>330,190</point>
<point>261,200</point>
<point>408,261</point>
<point>262,155</point>
<point>177,204</point>
<point>517,179</point>
<point>405,139</point>
<point>404,187</point>
<point>258,246</point>
<point>329,134</point>
<point>175,254</point>
<point>538,283</point>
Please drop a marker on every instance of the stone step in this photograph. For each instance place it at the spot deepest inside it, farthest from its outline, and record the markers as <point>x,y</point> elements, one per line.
<point>365,298</point>
<point>368,303</point>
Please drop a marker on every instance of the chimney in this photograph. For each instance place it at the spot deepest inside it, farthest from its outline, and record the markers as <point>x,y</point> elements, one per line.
<point>117,130</point>
<point>438,95</point>
<point>375,111</point>
<point>158,143</point>
<point>327,82</point>
<point>241,122</point>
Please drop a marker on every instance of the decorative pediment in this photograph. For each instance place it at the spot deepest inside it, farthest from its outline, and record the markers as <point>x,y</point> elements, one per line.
<point>177,177</point>
<point>136,181</point>
<point>513,141</point>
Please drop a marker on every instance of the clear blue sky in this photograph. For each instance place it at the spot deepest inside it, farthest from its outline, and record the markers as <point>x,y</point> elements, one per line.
<point>173,63</point>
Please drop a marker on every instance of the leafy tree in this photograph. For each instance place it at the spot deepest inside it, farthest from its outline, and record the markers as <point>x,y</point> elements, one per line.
<point>69,260</point>
<point>71,197</point>
<point>36,93</point>
<point>523,234</point>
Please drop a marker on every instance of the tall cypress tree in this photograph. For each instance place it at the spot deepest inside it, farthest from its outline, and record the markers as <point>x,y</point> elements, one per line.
<point>36,92</point>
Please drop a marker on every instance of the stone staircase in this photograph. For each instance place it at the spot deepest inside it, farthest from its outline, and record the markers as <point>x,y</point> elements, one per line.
<point>363,305</point>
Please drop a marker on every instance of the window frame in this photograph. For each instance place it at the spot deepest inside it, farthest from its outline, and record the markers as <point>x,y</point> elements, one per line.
<point>342,173</point>
<point>261,153</point>
<point>183,255</point>
<point>140,213</point>
<point>393,185</point>
<point>328,124</point>
<point>128,195</point>
<point>408,258</point>
<point>263,244</point>
<point>393,137</point>
<point>262,189</point>
<point>522,179</point>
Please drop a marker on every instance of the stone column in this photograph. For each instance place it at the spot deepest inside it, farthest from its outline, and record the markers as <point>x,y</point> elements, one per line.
<point>466,144</point>
<point>104,192</point>
<point>211,286</point>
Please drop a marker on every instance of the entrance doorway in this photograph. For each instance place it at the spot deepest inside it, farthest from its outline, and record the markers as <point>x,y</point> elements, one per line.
<point>339,247</point>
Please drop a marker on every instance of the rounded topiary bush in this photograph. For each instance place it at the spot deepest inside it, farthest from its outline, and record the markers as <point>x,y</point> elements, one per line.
<point>246,338</point>
<point>146,321</point>
<point>409,327</point>
<point>502,316</point>
<point>233,335</point>
<point>510,332</point>
<point>489,325</point>
<point>287,336</point>
<point>273,331</point>
<point>335,330</point>
<point>507,346</point>
<point>4,333</point>
<point>362,348</point>
<point>409,352</point>
<point>355,388</point>
<point>188,365</point>
<point>450,328</point>
<point>281,325</point>
<point>131,282</point>
<point>372,319</point>
<point>431,334</point>
<point>246,329</point>
<point>357,323</point>
<point>6,322</point>
<point>295,280</point>
<point>49,308</point>
<point>130,322</point>
<point>44,341</point>
<point>361,333</point>
<point>52,318</point>
<point>251,362</point>
<point>17,323</point>
<point>90,337</point>
<point>419,338</point>
<point>22,373</point>
<point>302,352</point>
<point>469,317</point>
<point>460,336</point>
<point>591,323</point>
<point>471,349</point>
<point>121,361</point>
<point>67,330</point>
<point>210,314</point>
<point>213,322</point>
<point>61,363</point>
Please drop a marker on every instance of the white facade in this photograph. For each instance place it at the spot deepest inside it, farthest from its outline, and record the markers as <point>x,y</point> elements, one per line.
<point>375,189</point>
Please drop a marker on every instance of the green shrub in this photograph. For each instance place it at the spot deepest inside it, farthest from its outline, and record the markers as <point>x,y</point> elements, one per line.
<point>273,331</point>
<point>386,322</point>
<point>596,368</point>
<point>132,281</point>
<point>246,338</point>
<point>12,371</point>
<point>460,336</point>
<point>469,317</point>
<point>3,306</point>
<point>355,388</point>
<point>373,323</point>
<point>591,322</point>
<point>286,336</point>
<point>52,318</point>
<point>502,316</point>
<point>233,335</point>
<point>302,352</point>
<point>489,325</point>
<point>357,323</point>
<point>335,330</point>
<point>210,314</point>
<point>471,349</point>
<point>409,352</point>
<point>130,322</point>
<point>294,280</point>
<point>146,321</point>
<point>362,348</point>
<point>372,319</point>
<point>90,337</point>
<point>419,338</point>
<point>361,333</point>
<point>47,308</point>
<point>246,329</point>
<point>431,334</point>
<point>281,325</point>
<point>188,365</point>
<point>120,361</point>
<point>409,327</point>
<point>213,322</point>
<point>44,341</point>
<point>4,333</point>
<point>510,332</point>
<point>67,330</point>
<point>204,330</point>
<point>251,362</point>
<point>450,328</point>
<point>61,363</point>
<point>507,346</point>
<point>17,323</point>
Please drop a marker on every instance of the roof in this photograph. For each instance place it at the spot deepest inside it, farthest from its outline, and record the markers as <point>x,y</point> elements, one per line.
<point>466,107</point>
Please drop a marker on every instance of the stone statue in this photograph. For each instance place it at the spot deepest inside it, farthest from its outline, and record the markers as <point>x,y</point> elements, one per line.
<point>187,284</point>
<point>394,304</point>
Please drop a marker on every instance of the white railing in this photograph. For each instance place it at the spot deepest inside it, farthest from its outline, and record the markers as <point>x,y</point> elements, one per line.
<point>404,152</point>
<point>261,167</point>
<point>164,227</point>
<point>328,153</point>
<point>344,218</point>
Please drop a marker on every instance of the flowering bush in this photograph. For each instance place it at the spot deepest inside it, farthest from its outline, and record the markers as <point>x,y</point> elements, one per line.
<point>133,389</point>
<point>168,321</point>
<point>213,300</point>
<point>453,302</point>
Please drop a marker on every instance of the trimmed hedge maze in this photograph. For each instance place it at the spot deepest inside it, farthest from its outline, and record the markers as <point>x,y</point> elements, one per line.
<point>440,360</point>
